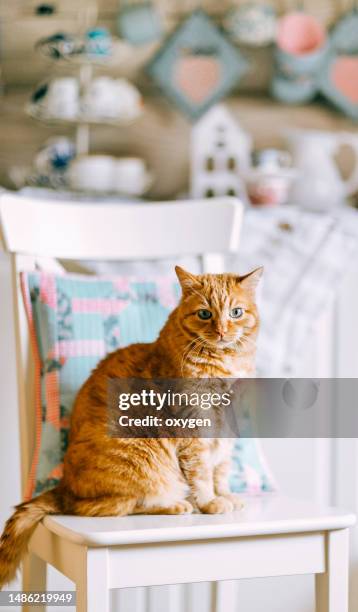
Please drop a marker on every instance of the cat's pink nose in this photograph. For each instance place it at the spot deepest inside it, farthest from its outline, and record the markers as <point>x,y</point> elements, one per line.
<point>221,333</point>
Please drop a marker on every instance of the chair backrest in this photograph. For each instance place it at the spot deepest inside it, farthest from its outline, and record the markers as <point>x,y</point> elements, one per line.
<point>37,232</point>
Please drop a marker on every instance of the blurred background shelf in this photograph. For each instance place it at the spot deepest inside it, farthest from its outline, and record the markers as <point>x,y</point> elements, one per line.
<point>151,136</point>
<point>50,120</point>
<point>117,57</point>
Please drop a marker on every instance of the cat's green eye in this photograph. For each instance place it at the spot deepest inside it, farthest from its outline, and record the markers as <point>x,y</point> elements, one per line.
<point>236,313</point>
<point>204,314</point>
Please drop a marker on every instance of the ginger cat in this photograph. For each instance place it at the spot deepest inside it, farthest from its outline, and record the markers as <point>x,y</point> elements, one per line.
<point>212,333</point>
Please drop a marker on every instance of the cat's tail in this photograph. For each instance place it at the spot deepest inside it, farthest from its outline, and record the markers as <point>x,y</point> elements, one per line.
<point>19,528</point>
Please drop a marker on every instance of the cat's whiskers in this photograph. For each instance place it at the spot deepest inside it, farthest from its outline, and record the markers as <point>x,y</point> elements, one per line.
<point>240,342</point>
<point>195,350</point>
<point>200,345</point>
<point>249,340</point>
<point>188,348</point>
<point>186,351</point>
<point>245,340</point>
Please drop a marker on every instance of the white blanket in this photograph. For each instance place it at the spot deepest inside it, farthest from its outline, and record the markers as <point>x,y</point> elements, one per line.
<point>305,256</point>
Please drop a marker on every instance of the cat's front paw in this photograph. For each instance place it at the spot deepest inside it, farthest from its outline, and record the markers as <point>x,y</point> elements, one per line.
<point>182,507</point>
<point>235,500</point>
<point>218,505</point>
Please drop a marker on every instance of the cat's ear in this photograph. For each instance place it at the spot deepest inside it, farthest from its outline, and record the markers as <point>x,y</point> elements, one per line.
<point>251,280</point>
<point>187,280</point>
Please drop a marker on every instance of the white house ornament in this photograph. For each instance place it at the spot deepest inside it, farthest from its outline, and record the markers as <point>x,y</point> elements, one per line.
<point>220,155</point>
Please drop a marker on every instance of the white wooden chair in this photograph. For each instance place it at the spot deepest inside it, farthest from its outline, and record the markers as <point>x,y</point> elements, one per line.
<point>272,536</point>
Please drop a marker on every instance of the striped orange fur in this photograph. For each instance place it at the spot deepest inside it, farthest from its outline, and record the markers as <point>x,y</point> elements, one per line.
<point>212,333</point>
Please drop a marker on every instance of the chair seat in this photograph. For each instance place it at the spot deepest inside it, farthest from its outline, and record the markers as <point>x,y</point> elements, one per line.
<point>266,515</point>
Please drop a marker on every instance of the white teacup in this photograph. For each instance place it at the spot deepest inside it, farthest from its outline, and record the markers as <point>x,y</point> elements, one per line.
<point>100,99</point>
<point>62,99</point>
<point>130,175</point>
<point>111,98</point>
<point>129,99</point>
<point>92,173</point>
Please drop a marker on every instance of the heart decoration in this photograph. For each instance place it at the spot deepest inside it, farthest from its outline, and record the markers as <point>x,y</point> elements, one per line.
<point>339,83</point>
<point>197,65</point>
<point>345,77</point>
<point>197,77</point>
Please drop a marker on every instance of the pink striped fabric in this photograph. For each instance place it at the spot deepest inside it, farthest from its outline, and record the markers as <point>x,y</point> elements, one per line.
<point>97,305</point>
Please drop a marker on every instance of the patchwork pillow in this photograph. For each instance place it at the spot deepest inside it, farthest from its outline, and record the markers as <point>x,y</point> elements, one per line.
<point>74,321</point>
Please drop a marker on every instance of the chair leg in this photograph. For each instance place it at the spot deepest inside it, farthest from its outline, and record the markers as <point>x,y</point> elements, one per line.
<point>332,585</point>
<point>224,596</point>
<point>34,577</point>
<point>92,591</point>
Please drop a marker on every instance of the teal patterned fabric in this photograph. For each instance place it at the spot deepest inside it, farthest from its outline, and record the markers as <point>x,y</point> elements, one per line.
<point>75,321</point>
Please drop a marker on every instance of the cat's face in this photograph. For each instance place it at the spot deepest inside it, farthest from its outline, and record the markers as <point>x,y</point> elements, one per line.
<point>219,309</point>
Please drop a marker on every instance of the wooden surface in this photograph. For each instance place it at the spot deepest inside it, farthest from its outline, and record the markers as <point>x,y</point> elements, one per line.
<point>268,515</point>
